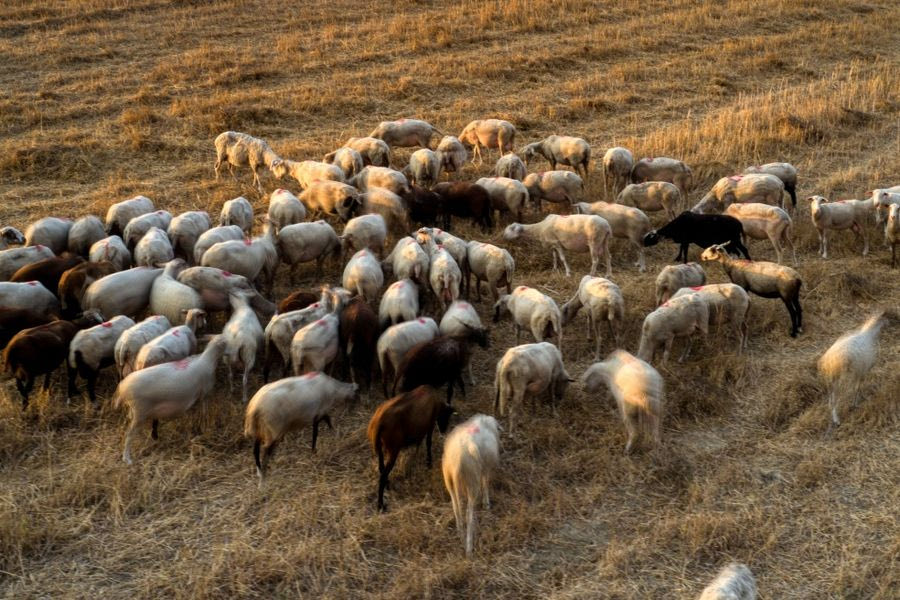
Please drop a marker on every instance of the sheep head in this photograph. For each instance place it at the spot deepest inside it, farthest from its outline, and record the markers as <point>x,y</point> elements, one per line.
<point>530,151</point>
<point>279,168</point>
<point>11,235</point>
<point>715,252</point>
<point>652,238</point>
<point>513,231</point>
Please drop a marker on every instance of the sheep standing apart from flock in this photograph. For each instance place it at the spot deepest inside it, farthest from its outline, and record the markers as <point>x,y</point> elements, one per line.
<point>573,152</point>
<point>374,151</point>
<point>285,209</point>
<point>624,221</point>
<point>532,310</point>
<point>307,241</point>
<point>762,189</point>
<point>511,166</point>
<point>84,233</point>
<point>397,340</point>
<point>405,133</point>
<point>786,172</point>
<point>652,196</point>
<point>892,232</point>
<point>452,154</point>
<point>184,231</point>
<point>175,343</point>
<point>239,150</point>
<point>119,214</point>
<point>91,350</point>
<point>734,582</point>
<point>364,231</point>
<point>604,303</point>
<point>491,264</point>
<point>51,232</point>
<point>761,221</point>
<point>488,133</point>
<point>681,317</point>
<point>727,303</point>
<point>133,339</point>
<point>563,187</point>
<point>883,199</point>
<point>664,169</point>
<point>528,370</point>
<point>578,233</point>
<point>617,165</point>
<point>843,214</point>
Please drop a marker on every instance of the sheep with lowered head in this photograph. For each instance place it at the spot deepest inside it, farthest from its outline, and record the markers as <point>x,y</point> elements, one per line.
<point>554,186</point>
<point>173,344</point>
<point>129,344</point>
<point>507,195</point>
<point>491,264</point>
<point>111,249</point>
<point>760,188</point>
<point>397,340</point>
<point>424,167</point>
<point>285,209</point>
<point>363,275</point>
<point>31,295</point>
<point>381,177</point>
<point>400,302</point>
<point>786,172</point>
<point>488,133</point>
<point>511,166</point>
<point>240,150</point>
<point>624,221</point>
<point>119,214</point>
<point>664,169</point>
<point>532,310</point>
<point>674,277</point>
<point>727,303</point>
<point>330,198</point>
<point>377,201</point>
<point>405,133</point>
<point>91,350</point>
<point>13,259</point>
<point>122,293</point>
<point>566,150</point>
<point>373,151</point>
<point>347,160</point>
<point>652,196</point>
<point>304,242</point>
<point>243,335</point>
<point>733,582</point>
<point>761,221</point>
<point>184,231</point>
<point>255,259</point>
<point>407,261</point>
<point>528,370</point>
<point>677,317</point>
<point>307,171</point>
<point>138,227</point>
<point>364,231</point>
<point>578,233</point>
<point>452,154</point>
<point>51,232</point>
<point>171,298</point>
<point>617,165</point>
<point>459,319</point>
<point>84,233</point>
<point>153,249</point>
<point>605,304</point>
<point>213,236</point>
<point>237,211</point>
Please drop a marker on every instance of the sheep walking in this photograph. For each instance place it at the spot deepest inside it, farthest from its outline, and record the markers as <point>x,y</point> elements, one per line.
<point>727,303</point>
<point>677,317</point>
<point>532,310</point>
<point>566,150</point>
<point>240,150</point>
<point>488,133</point>
<point>625,222</point>
<point>578,233</point>
<point>91,350</point>
<point>761,221</point>
<point>244,336</point>
<point>734,582</point>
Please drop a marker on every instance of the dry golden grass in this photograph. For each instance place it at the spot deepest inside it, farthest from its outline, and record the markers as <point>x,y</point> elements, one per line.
<point>102,100</point>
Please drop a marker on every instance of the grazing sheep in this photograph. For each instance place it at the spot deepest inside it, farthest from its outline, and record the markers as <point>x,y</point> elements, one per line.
<point>291,404</point>
<point>113,250</point>
<point>139,226</point>
<point>184,231</point>
<point>330,198</point>
<point>167,390</point>
<point>255,259</point>
<point>407,261</point>
<point>444,274</point>
<point>703,230</point>
<point>31,295</point>
<point>674,277</point>
<point>399,303</point>
<point>578,233</point>
<point>133,339</point>
<point>532,310</point>
<point>554,186</point>
<point>237,211</point>
<point>574,152</point>
<point>786,172</point>
<point>397,341</point>
<point>216,286</point>
<point>465,200</point>
<point>363,275</point>
<point>374,152</point>
<point>358,329</point>
<point>387,204</point>
<point>624,221</point>
<point>119,214</point>
<point>677,317</point>
<point>74,282</point>
<point>762,189</point>
<point>423,206</point>
<point>528,370</point>
<point>173,344</point>
<point>843,214</point>
<point>457,248</point>
<point>281,329</point>
<point>734,582</point>
<point>213,236</point>
<point>459,319</point>
<point>491,264</point>
<point>307,171</point>
<point>764,279</point>
<point>727,303</point>
<point>617,165</point>
<point>243,336</point>
<point>381,177</point>
<point>439,361</point>
<point>761,221</point>
<point>122,293</point>
<point>171,298</point>
<point>296,300</point>
<point>47,272</point>
<point>364,231</point>
<point>471,455</point>
<point>10,236</point>
<point>15,258</point>
<point>846,364</point>
<point>638,389</point>
<point>424,167</point>
<point>405,133</point>
<point>347,160</point>
<point>511,166</point>
<point>507,195</point>
<point>664,169</point>
<point>153,249</point>
<point>83,234</point>
<point>488,133</point>
<point>452,154</point>
<point>239,150</point>
<point>604,303</point>
<point>51,232</point>
<point>892,232</point>
<point>315,346</point>
<point>14,320</point>
<point>652,196</point>
<point>91,350</point>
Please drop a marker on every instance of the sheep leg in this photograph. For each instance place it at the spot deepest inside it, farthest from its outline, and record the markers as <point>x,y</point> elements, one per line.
<point>793,313</point>
<point>518,334</point>
<point>248,365</point>
<point>469,372</point>
<point>25,389</point>
<point>776,244</point>
<point>462,385</point>
<point>428,447</point>
<point>315,432</point>
<point>129,437</point>
<point>154,430</point>
<point>384,471</point>
<point>668,349</point>
<point>92,387</point>
<point>46,385</point>
<point>641,261</point>
<point>823,243</point>
<point>687,349</point>
<point>470,526</point>
<point>605,249</point>
<point>259,471</point>
<point>631,428</point>
<point>485,491</point>
<point>230,375</point>
<point>562,258</point>
<point>832,403</point>
<point>71,376</point>
<point>457,509</point>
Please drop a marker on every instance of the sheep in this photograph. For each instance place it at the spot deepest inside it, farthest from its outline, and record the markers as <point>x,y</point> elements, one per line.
<point>29,294</point>
<point>471,455</point>
<point>624,221</point>
<point>892,232</point>
<point>374,152</point>
<point>405,133</point>
<point>846,364</point>
<point>133,339</point>
<point>237,211</point>
<point>507,195</point>
<point>396,341</point>
<point>74,282</point>
<point>574,152</point>
<point>347,160</point>
<point>761,188</point>
<point>401,422</point>
<point>244,336</point>
<point>113,250</point>
<point>173,344</point>
<point>452,154</point>
<point>255,259</point>
<point>664,169</point>
<point>213,236</point>
<point>330,198</point>
<point>733,582</point>
<point>15,258</point>
<point>380,177</point>
<point>423,206</point>
<point>529,369</point>
<point>652,196</point>
<point>726,302</point>
<point>307,171</point>
<point>358,329</point>
<point>459,319</point>
<point>123,293</point>
<point>674,277</point>
<point>153,249</point>
<point>578,233</point>
<point>491,264</point>
<point>315,346</point>
<point>533,310</point>
<point>761,221</point>
<point>843,214</point>
<point>91,350</point>
<point>465,200</point>
<point>14,320</point>
<point>289,405</point>
<point>639,392</point>
<point>511,166</point>
<point>9,236</point>
<point>239,150</point>
<point>444,274</point>
<point>764,279</point>
<point>703,230</point>
<point>184,231</point>
<point>51,232</point>
<point>488,133</point>
<point>457,248</point>
<point>48,271</point>
<point>604,303</point>
<point>281,329</point>
<point>83,234</point>
<point>677,317</point>
<point>424,167</point>
<point>387,204</point>
<point>296,300</point>
<point>364,231</point>
<point>786,172</point>
<point>399,303</point>
<point>215,286</point>
<point>882,199</point>
<point>171,298</point>
<point>408,261</point>
<point>617,165</point>
<point>119,214</point>
<point>554,186</point>
<point>167,390</point>
<point>139,226</point>
<point>363,275</point>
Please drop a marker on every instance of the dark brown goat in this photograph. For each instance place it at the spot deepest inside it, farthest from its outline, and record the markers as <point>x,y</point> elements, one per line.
<point>76,280</point>
<point>465,200</point>
<point>297,300</point>
<point>14,320</point>
<point>439,361</point>
<point>359,332</point>
<point>48,271</point>
<point>401,422</point>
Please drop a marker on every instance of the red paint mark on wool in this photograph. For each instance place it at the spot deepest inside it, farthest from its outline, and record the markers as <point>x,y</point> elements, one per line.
<point>247,242</point>
<point>320,323</point>
<point>182,364</point>
<point>106,324</point>
<point>473,429</point>
<point>314,305</point>
<point>522,288</point>
<point>422,321</point>
<point>41,246</point>
<point>175,333</point>
<point>736,177</point>
<point>32,283</point>
<point>311,375</point>
<point>226,273</point>
<point>399,284</point>
<point>697,287</point>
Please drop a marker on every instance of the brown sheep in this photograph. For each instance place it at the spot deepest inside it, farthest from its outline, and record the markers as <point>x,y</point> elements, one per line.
<point>48,271</point>
<point>14,320</point>
<point>74,282</point>
<point>439,361</point>
<point>297,300</point>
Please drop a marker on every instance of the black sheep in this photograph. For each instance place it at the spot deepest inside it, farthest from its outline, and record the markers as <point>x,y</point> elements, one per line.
<point>703,230</point>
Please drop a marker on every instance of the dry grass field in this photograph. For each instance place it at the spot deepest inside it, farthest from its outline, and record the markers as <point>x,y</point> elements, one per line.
<point>102,100</point>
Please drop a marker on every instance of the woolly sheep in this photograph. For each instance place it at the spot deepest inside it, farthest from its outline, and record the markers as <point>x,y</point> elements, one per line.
<point>171,298</point>
<point>761,188</point>
<point>243,335</point>
<point>307,171</point>
<point>674,277</point>
<point>452,154</point>
<point>407,261</point>
<point>285,209</point>
<point>347,160</point>
<point>93,349</point>
<point>554,186</point>
<point>173,344</point>
<point>331,198</point>
<point>491,264</point>
<point>239,150</point>
<point>424,167</point>
<point>363,275</point>
<point>111,249</point>
<point>761,221</point>
<point>139,226</point>
<point>843,214</point>
<point>624,221</point>
<point>578,233</point>
<point>511,166</point>
<point>213,236</point>
<point>652,196</point>
<point>29,295</point>
<point>387,204</point>
<point>119,214</point>
<point>604,303</point>
<point>459,319</point>
<point>405,132</point>
<point>397,340</point>
<point>255,259</point>
<point>566,150</point>
<point>364,231</point>
<point>733,582</point>
<point>84,233</point>
<point>892,232</point>
<point>123,293</point>
<point>133,339</point>
<point>457,248</point>
<point>373,151</point>
<point>184,231</point>
<point>315,346</point>
<point>399,303</point>
<point>281,329</point>
<point>10,236</point>
<point>528,370</point>
<point>13,259</point>
<point>51,232</point>
<point>381,177</point>
<point>153,249</point>
<point>617,165</point>
<point>677,317</point>
<point>532,310</point>
<point>507,195</point>
<point>304,242</point>
<point>488,133</point>
<point>74,282</point>
<point>444,274</point>
<point>215,286</point>
<point>237,211</point>
<point>882,199</point>
<point>727,303</point>
<point>664,169</point>
<point>786,172</point>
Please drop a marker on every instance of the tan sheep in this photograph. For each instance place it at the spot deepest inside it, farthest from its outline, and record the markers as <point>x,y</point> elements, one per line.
<point>488,133</point>
<point>677,317</point>
<point>664,169</point>
<point>727,303</point>
<point>617,165</point>
<point>566,150</point>
<point>405,133</point>
<point>605,304</point>
<point>626,223</point>
<point>761,221</point>
<point>652,196</point>
<point>762,188</point>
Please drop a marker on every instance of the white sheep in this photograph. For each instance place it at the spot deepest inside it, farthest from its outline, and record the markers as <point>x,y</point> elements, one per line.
<point>733,582</point>
<point>10,236</point>
<point>491,264</point>
<point>167,390</point>
<point>213,236</point>
<point>605,304</point>
<point>373,151</point>
<point>843,214</point>
<point>255,259</point>
<point>457,248</point>
<point>84,233</point>
<point>123,293</point>
<point>760,188</point>
<point>244,336</point>
<point>554,186</point>
<point>488,133</point>
<point>786,172</point>
<point>387,204</point>
<point>133,339</point>
<point>424,167</point>
<point>216,286</point>
<point>639,392</point>
<point>625,222</point>
<point>727,303</point>
<point>452,154</point>
<point>331,198</point>
<point>761,221</point>
<point>405,132</point>
<point>652,196</point>
<point>883,199</point>
<point>315,346</point>
<point>507,195</point>
<point>617,165</point>
<point>307,171</point>
<point>399,303</point>
<point>363,275</point>
<point>153,249</point>
<point>664,169</point>
<point>677,317</point>
<point>119,214</point>
<point>528,370</point>
<point>185,230</point>
<point>444,274</point>
<point>285,209</point>
<point>845,365</point>
<point>407,260</point>
<point>459,320</point>
<point>892,232</point>
<point>532,310</point>
<point>111,249</point>
<point>397,340</point>
<point>13,259</point>
<point>237,211</point>
<point>138,227</point>
<point>239,149</point>
<point>471,455</point>
<point>347,160</point>
<point>29,295</point>
<point>175,343</point>
<point>304,242</point>
<point>364,231</point>
<point>381,177</point>
<point>511,166</point>
<point>578,233</point>
<point>566,150</point>
<point>51,232</point>
<point>281,329</point>
<point>674,277</point>
<point>171,298</point>
<point>91,350</point>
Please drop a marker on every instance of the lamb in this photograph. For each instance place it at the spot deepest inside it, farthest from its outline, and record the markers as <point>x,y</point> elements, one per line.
<point>184,231</point>
<point>764,279</point>
<point>423,206</point>
<point>374,152</point>
<point>664,169</point>
<point>408,261</point>
<point>674,277</point>
<point>624,221</point>
<point>465,200</point>
<point>892,232</point>
<point>457,248</point>
<point>281,329</point>
<point>488,133</point>
<point>727,303</point>
<point>843,214</point>
<point>761,221</point>
<point>734,582</point>
<point>119,214</point>
<point>74,282</point>
<point>173,344</point>
<point>471,455</point>
<point>574,152</point>
<point>363,275</point>
<point>347,160</point>
<point>330,198</point>
<point>399,303</point>
<point>532,370</point>
<point>358,329</point>
<point>677,317</point>
<point>133,339</point>
<point>507,195</point>
<point>243,335</point>
<point>639,392</point>
<point>424,167</point>
<point>167,390</point>
<point>139,226</point>
<point>511,166</point>
<point>289,405</point>
<point>255,259</point>
<point>703,230</point>
<point>9,236</point>
<point>786,172</point>
<point>364,231</point>
<point>213,236</point>
<point>452,154</point>
<point>846,364</point>
<point>215,286</point>
<point>113,250</point>
<point>554,187</point>
<point>123,293</point>
<point>397,341</point>
<point>578,233</point>
<point>83,234</point>
<point>239,150</point>
<point>91,350</point>
<point>30,294</point>
<point>237,211</point>
<point>491,264</point>
<point>48,271</point>
<point>405,133</point>
<point>604,303</point>
<point>15,258</point>
<point>307,171</point>
<point>401,422</point>
<point>652,196</point>
<point>459,319</point>
<point>532,310</point>
<point>380,177</point>
<point>762,188</point>
<point>315,346</point>
<point>171,298</point>
<point>153,249</point>
<point>51,232</point>
<point>617,165</point>
<point>387,204</point>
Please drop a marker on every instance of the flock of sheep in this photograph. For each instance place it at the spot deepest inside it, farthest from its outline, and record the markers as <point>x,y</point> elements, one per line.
<point>56,307</point>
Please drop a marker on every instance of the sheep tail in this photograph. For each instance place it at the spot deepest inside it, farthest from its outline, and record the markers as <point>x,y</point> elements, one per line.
<point>549,329</point>
<point>251,426</point>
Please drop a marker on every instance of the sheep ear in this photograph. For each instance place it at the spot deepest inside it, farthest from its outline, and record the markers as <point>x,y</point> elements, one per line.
<point>184,311</point>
